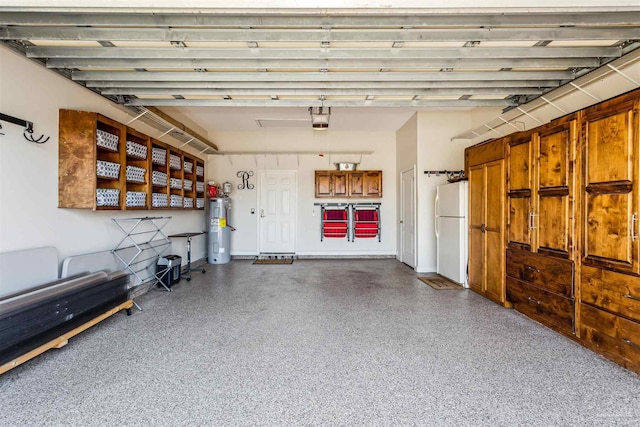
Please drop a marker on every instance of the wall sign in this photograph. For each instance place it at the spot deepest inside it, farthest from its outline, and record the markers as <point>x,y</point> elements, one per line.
<point>245,175</point>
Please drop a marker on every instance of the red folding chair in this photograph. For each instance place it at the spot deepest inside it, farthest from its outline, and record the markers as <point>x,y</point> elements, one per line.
<point>366,222</point>
<point>335,223</point>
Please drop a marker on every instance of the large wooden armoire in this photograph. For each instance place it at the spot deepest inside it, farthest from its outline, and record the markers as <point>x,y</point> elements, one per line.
<point>572,255</point>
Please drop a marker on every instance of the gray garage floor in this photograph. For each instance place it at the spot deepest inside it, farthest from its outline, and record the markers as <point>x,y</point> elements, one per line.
<point>319,342</point>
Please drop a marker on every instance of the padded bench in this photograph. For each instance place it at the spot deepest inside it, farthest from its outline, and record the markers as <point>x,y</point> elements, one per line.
<point>36,318</point>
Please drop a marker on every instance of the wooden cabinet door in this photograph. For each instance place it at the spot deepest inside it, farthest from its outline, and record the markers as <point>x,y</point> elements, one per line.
<point>555,190</point>
<point>356,184</point>
<point>365,184</point>
<point>476,227</point>
<point>323,184</point>
<point>494,231</point>
<point>521,208</point>
<point>486,229</point>
<point>373,183</point>
<point>610,197</point>
<point>339,184</point>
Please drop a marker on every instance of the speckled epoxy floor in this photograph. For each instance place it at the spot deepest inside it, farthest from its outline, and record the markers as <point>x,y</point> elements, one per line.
<point>319,342</point>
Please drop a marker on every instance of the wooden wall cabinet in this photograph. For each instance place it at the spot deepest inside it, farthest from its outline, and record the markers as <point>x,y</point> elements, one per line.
<point>105,165</point>
<point>487,219</point>
<point>340,184</point>
<point>365,184</point>
<point>541,202</point>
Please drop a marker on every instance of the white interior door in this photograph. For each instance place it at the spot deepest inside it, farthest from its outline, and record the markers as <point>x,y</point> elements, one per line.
<point>277,211</point>
<point>407,218</point>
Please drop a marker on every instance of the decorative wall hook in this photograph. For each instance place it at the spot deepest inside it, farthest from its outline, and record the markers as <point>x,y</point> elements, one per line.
<point>28,128</point>
<point>245,175</point>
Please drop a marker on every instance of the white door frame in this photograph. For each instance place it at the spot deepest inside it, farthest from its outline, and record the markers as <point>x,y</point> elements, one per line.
<point>261,177</point>
<point>415,207</point>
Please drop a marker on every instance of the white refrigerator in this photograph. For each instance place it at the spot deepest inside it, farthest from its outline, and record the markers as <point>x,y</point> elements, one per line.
<point>451,231</point>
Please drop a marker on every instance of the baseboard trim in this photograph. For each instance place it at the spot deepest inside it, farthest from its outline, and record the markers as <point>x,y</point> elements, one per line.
<point>245,257</point>
<point>346,256</point>
<point>421,269</point>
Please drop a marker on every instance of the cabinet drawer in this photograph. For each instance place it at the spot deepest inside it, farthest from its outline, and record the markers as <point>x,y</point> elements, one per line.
<point>552,274</point>
<point>612,336</point>
<point>615,292</point>
<point>550,309</point>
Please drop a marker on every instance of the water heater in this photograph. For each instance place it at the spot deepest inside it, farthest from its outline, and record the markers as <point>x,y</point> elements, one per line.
<point>219,231</point>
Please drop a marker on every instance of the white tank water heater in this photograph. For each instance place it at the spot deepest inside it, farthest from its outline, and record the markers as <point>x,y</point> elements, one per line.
<point>219,231</point>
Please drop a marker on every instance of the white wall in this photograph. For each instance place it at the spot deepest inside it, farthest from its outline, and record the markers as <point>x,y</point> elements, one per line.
<point>29,216</point>
<point>437,152</point>
<point>244,240</point>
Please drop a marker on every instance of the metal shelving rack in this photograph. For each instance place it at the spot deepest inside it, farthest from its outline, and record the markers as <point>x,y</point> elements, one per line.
<point>141,247</point>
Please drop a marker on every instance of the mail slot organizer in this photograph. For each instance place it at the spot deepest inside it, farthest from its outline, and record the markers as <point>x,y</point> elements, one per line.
<point>349,221</point>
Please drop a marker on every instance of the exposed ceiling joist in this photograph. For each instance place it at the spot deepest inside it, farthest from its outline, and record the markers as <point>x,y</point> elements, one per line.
<point>387,103</point>
<point>141,92</point>
<point>320,76</point>
<point>321,86</point>
<point>297,54</point>
<point>330,64</point>
<point>319,35</point>
<point>321,19</point>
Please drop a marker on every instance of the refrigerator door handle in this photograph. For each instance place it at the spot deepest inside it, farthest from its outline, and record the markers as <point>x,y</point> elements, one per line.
<point>435,224</point>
